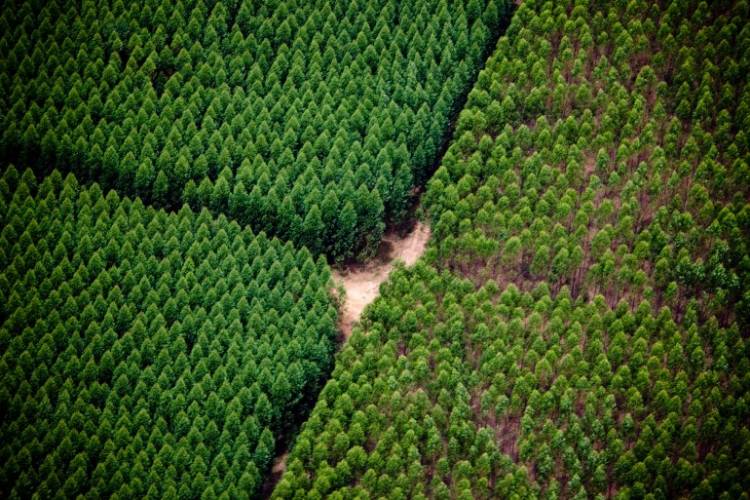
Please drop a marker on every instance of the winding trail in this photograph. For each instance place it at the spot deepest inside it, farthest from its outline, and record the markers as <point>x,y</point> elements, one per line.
<point>362,281</point>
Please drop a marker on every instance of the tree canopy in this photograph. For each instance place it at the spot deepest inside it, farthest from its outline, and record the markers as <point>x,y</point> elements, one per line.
<point>148,354</point>
<point>257,111</point>
<point>579,327</point>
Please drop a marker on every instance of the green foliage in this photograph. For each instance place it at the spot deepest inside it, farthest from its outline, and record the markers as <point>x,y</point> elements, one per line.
<point>637,185</point>
<point>579,329</point>
<point>146,352</point>
<point>181,102</point>
<point>494,393</point>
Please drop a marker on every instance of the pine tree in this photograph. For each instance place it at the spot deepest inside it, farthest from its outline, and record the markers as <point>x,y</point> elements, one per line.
<point>160,191</point>
<point>312,230</point>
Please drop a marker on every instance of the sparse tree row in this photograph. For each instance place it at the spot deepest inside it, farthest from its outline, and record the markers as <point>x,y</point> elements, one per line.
<point>148,355</point>
<point>454,391</point>
<point>605,147</point>
<point>580,326</point>
<point>312,121</point>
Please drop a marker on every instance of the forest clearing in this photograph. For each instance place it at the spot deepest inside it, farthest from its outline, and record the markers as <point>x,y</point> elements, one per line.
<point>361,282</point>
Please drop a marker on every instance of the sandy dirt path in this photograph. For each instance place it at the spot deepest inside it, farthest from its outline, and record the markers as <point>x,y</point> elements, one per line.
<point>362,285</point>
<point>362,281</point>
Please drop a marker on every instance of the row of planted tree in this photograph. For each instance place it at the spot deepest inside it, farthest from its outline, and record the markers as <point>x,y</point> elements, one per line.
<point>577,329</point>
<point>154,354</point>
<point>312,121</point>
<point>147,354</point>
<point>579,326</point>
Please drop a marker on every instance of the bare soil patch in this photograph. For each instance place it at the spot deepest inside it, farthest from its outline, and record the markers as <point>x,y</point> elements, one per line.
<point>362,281</point>
<point>277,470</point>
<point>279,465</point>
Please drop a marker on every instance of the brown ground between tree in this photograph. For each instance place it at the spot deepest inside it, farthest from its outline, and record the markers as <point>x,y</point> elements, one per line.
<point>361,282</point>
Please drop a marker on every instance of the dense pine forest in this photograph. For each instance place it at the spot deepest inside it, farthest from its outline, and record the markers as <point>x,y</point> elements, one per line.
<point>182,182</point>
<point>312,121</point>
<point>580,326</point>
<point>146,353</point>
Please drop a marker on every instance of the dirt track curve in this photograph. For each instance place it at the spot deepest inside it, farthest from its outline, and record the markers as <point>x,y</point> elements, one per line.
<point>362,281</point>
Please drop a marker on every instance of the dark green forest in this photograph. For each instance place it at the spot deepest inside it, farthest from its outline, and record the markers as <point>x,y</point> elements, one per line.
<point>183,183</point>
<point>146,353</point>
<point>312,121</point>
